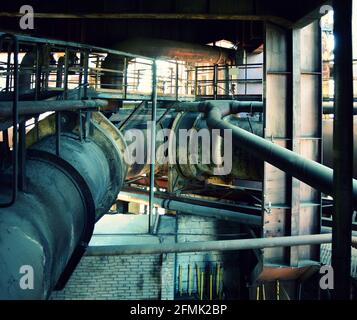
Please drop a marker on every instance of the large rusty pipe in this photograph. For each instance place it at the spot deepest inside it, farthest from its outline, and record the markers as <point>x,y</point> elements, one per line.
<point>220,245</point>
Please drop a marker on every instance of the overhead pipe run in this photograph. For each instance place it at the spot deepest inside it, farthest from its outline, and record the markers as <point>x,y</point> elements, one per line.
<point>220,245</point>
<point>310,172</point>
<point>36,107</point>
<point>193,209</point>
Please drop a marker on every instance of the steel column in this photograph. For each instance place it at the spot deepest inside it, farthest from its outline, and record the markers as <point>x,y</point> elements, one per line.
<point>276,209</point>
<point>343,149</point>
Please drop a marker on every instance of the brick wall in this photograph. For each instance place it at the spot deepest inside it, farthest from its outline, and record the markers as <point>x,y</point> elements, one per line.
<point>119,277</point>
<point>154,276</point>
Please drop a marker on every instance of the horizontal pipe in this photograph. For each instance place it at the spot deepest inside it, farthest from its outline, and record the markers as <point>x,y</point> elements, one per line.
<point>326,229</point>
<point>328,107</point>
<point>221,245</point>
<point>193,209</point>
<point>36,107</point>
<point>308,171</point>
<point>257,106</point>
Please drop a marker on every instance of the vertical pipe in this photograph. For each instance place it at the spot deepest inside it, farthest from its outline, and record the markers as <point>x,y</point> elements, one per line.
<point>8,69</point>
<point>80,76</point>
<point>80,129</point>
<point>343,149</point>
<point>226,81</point>
<point>125,71</point>
<point>96,73</point>
<point>188,82</point>
<point>22,155</point>
<point>215,82</point>
<point>152,141</point>
<point>88,116</point>
<point>65,76</point>
<point>177,82</point>
<point>15,119</point>
<point>189,280</point>
<point>180,280</point>
<point>85,74</point>
<point>221,283</point>
<point>210,287</point>
<point>217,279</point>
<point>196,83</point>
<point>245,74</point>
<point>58,133</point>
<point>37,73</point>
<point>198,273</point>
<point>202,287</point>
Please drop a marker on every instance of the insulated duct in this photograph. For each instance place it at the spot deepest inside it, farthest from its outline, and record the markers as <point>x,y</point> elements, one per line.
<point>176,50</point>
<point>51,223</point>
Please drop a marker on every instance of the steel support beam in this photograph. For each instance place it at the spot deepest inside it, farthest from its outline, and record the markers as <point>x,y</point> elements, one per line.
<point>342,149</point>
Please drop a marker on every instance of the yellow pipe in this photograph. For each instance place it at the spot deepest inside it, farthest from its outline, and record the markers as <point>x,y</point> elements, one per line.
<point>198,281</point>
<point>217,279</point>
<point>180,280</point>
<point>189,280</point>
<point>202,281</point>
<point>221,283</point>
<point>277,290</point>
<point>257,297</point>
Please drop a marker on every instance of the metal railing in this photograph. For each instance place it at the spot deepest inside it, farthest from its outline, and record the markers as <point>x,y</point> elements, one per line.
<point>225,81</point>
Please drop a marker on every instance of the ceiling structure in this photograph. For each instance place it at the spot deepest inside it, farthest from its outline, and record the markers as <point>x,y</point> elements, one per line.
<point>205,21</point>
